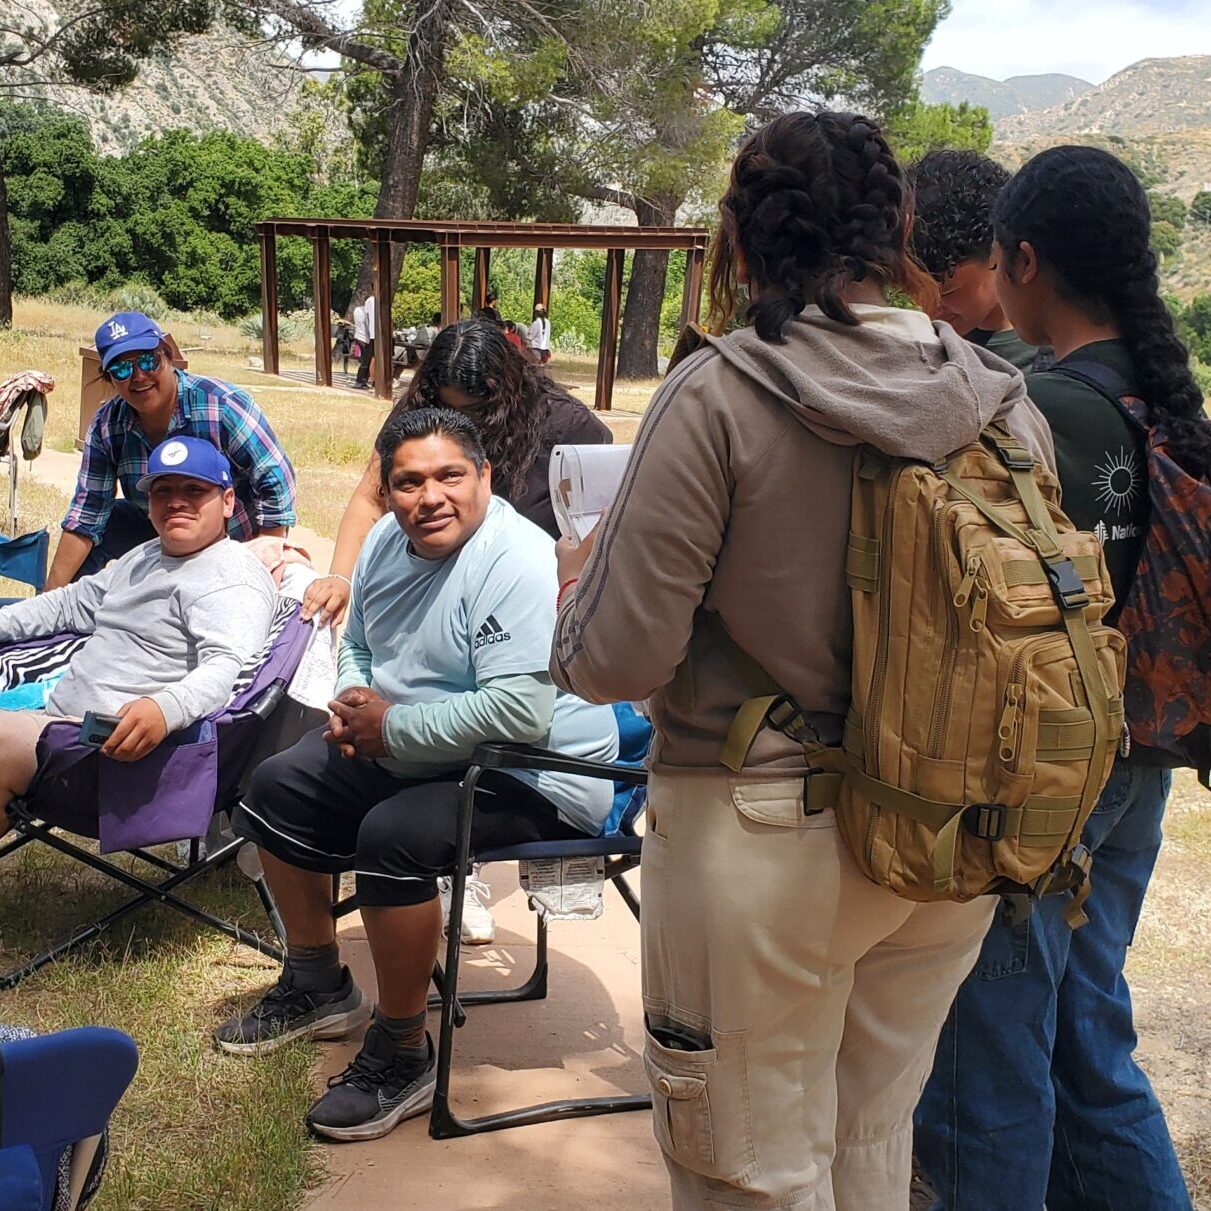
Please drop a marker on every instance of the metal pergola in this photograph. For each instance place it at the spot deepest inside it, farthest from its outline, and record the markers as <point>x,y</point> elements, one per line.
<point>451,238</point>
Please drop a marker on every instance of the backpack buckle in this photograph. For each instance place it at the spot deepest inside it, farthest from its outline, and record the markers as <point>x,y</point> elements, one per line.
<point>985,820</point>
<point>786,716</point>
<point>1016,457</point>
<point>1066,586</point>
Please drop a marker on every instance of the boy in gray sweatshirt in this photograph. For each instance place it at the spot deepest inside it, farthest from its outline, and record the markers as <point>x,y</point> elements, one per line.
<point>170,624</point>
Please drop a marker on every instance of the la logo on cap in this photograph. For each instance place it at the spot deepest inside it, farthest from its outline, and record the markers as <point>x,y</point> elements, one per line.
<point>174,454</point>
<point>116,330</point>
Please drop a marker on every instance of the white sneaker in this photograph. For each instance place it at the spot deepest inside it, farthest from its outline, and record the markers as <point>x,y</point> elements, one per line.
<point>478,928</point>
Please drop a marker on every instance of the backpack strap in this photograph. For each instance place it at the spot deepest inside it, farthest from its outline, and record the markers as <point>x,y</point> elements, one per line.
<point>1105,380</point>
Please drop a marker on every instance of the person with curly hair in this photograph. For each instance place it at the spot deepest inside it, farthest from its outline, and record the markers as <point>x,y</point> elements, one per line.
<point>792,1005</point>
<point>954,192</point>
<point>1035,1060</point>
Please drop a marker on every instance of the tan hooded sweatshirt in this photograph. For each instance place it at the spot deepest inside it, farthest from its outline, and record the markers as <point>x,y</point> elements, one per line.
<point>736,504</point>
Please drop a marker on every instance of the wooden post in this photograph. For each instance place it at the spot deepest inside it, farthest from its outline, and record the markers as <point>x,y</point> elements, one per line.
<point>269,299</point>
<point>479,286</point>
<point>691,295</point>
<point>384,334</point>
<point>321,296</point>
<point>449,284</point>
<point>611,312</point>
<point>543,269</point>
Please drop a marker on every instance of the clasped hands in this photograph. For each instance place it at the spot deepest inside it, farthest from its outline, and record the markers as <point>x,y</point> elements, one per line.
<point>356,724</point>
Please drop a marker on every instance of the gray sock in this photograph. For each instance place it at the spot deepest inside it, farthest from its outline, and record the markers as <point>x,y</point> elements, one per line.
<point>408,1034</point>
<point>314,968</point>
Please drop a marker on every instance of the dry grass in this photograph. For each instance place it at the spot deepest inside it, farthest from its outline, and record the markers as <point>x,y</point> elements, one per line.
<point>198,1130</point>
<point>328,433</point>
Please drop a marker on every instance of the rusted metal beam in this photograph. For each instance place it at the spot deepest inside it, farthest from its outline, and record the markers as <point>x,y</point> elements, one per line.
<point>544,266</point>
<point>449,284</point>
<point>691,295</point>
<point>269,298</point>
<point>384,334</point>
<point>611,312</point>
<point>480,282</point>
<point>498,235</point>
<point>321,296</point>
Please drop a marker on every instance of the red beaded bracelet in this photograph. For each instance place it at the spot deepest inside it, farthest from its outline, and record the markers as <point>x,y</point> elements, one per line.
<point>563,588</point>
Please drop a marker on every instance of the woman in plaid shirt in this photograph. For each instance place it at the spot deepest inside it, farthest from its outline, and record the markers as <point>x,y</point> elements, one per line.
<point>155,401</point>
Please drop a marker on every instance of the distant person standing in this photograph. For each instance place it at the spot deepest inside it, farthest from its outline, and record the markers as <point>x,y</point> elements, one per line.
<point>364,335</point>
<point>540,334</point>
<point>153,401</point>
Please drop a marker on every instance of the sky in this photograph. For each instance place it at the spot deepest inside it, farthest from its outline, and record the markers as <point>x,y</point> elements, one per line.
<point>1092,39</point>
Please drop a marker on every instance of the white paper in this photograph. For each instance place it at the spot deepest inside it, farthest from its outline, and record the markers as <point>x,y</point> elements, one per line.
<point>584,481</point>
<point>564,889</point>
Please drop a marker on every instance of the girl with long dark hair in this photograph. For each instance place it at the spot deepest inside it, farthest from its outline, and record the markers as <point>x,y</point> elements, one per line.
<point>521,413</point>
<point>1035,1064</point>
<point>792,1005</point>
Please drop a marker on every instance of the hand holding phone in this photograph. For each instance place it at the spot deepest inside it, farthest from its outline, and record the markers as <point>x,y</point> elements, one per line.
<point>96,728</point>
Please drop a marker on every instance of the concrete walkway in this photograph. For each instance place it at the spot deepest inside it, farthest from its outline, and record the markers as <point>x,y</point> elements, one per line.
<point>584,1040</point>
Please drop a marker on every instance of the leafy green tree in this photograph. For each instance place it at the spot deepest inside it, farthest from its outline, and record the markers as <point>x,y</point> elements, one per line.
<point>1200,207</point>
<point>178,212</point>
<point>98,46</point>
<point>917,128</point>
<point>691,76</point>
<point>1167,208</point>
<point>1166,239</point>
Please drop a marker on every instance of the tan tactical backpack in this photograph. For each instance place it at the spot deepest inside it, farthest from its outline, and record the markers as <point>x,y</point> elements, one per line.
<point>987,694</point>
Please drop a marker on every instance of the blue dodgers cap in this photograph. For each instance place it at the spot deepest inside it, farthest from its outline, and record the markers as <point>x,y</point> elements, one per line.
<point>126,332</point>
<point>192,457</point>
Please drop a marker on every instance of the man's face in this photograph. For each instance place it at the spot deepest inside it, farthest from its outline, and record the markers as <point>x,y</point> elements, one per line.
<point>188,514</point>
<point>147,390</point>
<point>969,298</point>
<point>437,495</point>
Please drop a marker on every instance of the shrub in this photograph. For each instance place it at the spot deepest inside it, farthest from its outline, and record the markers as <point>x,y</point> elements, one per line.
<point>138,296</point>
<point>292,326</point>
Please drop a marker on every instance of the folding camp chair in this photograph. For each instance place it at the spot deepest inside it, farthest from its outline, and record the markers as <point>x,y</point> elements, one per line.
<point>24,559</point>
<point>171,795</point>
<point>621,849</point>
<point>57,1091</point>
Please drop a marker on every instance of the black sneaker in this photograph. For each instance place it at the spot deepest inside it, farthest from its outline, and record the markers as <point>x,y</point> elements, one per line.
<point>285,1013</point>
<point>380,1089</point>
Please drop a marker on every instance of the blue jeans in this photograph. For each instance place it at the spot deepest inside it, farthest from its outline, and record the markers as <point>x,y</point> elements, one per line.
<point>1035,1097</point>
<point>127,528</point>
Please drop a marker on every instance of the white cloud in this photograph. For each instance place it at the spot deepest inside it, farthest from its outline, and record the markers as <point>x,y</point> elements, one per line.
<point>1088,38</point>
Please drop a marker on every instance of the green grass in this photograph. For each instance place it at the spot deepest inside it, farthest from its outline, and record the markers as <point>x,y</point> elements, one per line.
<point>198,1130</point>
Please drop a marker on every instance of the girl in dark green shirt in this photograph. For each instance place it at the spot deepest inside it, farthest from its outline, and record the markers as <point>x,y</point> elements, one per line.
<point>1035,1098</point>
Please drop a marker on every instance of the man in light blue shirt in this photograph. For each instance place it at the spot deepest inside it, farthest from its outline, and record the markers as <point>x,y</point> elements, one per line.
<point>447,645</point>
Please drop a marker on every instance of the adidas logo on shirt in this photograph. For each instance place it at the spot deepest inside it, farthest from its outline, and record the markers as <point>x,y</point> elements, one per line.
<point>491,632</point>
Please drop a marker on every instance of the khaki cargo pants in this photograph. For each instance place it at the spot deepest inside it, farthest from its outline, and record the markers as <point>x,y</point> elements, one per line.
<point>821,993</point>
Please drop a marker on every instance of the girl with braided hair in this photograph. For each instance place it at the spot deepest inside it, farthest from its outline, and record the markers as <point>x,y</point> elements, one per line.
<point>792,1005</point>
<point>1035,1060</point>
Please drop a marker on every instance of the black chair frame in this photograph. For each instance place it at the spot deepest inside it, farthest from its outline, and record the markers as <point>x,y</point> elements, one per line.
<point>28,827</point>
<point>622,854</point>
<point>443,1122</point>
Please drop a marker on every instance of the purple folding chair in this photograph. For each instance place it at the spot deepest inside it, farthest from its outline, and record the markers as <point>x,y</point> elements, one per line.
<point>172,795</point>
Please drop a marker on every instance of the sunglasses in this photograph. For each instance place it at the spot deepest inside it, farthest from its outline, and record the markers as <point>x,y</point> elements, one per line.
<point>148,363</point>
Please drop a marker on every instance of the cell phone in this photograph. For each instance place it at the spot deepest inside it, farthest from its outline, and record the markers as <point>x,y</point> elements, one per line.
<point>95,729</point>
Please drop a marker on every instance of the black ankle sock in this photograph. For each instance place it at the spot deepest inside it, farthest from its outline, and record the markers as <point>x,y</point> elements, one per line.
<point>408,1034</point>
<point>314,968</point>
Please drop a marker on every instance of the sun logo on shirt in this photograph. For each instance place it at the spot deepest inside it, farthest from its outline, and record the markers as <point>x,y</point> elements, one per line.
<point>1117,481</point>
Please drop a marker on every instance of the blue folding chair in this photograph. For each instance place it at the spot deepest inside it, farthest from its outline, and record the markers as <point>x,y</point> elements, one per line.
<point>619,845</point>
<point>24,559</point>
<point>57,1091</point>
